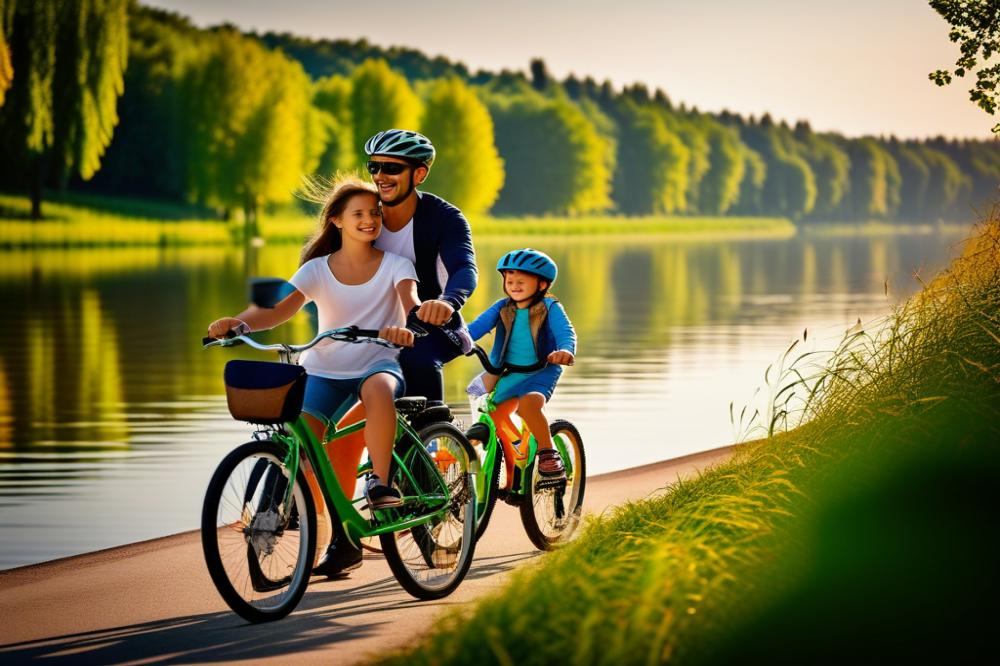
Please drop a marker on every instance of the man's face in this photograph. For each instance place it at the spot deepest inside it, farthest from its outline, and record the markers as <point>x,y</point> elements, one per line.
<point>393,189</point>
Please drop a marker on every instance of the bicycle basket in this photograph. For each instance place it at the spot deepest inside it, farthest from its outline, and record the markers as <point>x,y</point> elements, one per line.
<point>264,393</point>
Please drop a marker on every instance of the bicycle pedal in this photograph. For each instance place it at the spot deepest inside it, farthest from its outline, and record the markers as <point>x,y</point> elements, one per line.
<point>544,483</point>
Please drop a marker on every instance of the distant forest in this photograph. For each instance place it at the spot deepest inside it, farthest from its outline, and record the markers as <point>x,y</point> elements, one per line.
<point>232,121</point>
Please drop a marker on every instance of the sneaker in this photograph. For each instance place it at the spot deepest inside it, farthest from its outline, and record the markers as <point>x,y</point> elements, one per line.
<point>341,558</point>
<point>550,464</point>
<point>381,496</point>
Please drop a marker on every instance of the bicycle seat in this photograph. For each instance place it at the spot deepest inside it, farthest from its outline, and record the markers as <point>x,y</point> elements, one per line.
<point>411,405</point>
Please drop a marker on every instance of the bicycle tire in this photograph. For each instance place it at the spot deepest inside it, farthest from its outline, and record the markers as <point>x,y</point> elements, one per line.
<point>431,559</point>
<point>546,528</point>
<point>257,548</point>
<point>484,511</point>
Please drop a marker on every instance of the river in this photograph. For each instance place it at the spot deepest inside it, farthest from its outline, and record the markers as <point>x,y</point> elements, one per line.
<point>112,417</point>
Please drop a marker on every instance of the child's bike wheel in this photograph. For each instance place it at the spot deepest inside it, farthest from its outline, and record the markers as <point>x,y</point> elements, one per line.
<point>259,557</point>
<point>430,560</point>
<point>551,514</point>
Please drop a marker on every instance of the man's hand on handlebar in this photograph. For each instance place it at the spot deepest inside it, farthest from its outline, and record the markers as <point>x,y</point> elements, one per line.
<point>397,335</point>
<point>561,357</point>
<point>221,328</point>
<point>435,312</point>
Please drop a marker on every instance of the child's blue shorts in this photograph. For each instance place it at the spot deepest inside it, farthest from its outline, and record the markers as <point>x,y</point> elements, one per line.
<point>517,384</point>
<point>329,399</point>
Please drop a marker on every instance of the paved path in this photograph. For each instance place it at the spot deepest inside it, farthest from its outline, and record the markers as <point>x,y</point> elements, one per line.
<point>153,602</point>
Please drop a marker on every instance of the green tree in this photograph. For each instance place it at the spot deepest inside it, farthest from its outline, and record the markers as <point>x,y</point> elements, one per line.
<point>687,129</point>
<point>381,99</point>
<point>332,96</point>
<point>148,156</point>
<point>915,174</point>
<point>59,113</point>
<point>945,185</point>
<point>875,181</point>
<point>652,164</point>
<point>720,187</point>
<point>975,27</point>
<point>831,167</point>
<point>256,131</point>
<point>553,157</point>
<point>790,184</point>
<point>468,170</point>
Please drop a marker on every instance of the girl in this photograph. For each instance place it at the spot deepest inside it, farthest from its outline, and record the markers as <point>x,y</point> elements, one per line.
<point>351,283</point>
<point>530,327</point>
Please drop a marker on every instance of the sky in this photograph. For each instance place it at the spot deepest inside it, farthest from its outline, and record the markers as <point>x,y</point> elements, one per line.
<point>852,66</point>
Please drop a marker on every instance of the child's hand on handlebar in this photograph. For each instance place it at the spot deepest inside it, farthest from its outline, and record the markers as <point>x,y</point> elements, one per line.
<point>219,328</point>
<point>561,357</point>
<point>397,335</point>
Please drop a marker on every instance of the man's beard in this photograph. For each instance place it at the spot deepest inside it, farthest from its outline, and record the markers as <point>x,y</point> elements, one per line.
<point>401,198</point>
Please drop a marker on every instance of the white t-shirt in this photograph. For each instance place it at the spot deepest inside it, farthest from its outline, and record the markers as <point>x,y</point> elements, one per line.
<point>401,243</point>
<point>373,304</point>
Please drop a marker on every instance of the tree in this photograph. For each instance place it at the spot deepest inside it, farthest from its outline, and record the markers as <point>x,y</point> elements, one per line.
<point>975,26</point>
<point>720,187</point>
<point>871,193</point>
<point>148,156</point>
<point>58,115</point>
<point>553,156</point>
<point>652,163</point>
<point>381,99</point>
<point>468,170</point>
<point>332,96</point>
<point>255,132</point>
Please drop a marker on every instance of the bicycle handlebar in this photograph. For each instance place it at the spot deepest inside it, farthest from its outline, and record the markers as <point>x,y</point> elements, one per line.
<point>347,334</point>
<point>506,368</point>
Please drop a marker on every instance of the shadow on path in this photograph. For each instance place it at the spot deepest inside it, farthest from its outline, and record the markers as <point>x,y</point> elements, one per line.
<point>321,619</point>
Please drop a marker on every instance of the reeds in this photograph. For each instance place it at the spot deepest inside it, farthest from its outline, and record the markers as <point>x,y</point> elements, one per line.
<point>857,529</point>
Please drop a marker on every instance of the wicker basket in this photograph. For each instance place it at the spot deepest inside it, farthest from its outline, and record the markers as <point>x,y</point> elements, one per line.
<point>264,393</point>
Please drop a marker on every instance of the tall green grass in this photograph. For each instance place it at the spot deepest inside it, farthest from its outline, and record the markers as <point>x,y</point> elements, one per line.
<point>865,534</point>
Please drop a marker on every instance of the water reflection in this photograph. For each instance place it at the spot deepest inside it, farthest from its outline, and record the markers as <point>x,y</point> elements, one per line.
<point>112,417</point>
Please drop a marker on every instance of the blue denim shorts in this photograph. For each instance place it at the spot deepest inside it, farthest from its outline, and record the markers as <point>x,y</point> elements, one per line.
<point>329,399</point>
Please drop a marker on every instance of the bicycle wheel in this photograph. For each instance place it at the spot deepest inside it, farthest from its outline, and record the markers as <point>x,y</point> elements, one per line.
<point>551,514</point>
<point>258,554</point>
<point>431,559</point>
<point>484,511</point>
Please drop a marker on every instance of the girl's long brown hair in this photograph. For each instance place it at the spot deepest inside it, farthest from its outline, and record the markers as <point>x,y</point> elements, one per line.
<point>334,196</point>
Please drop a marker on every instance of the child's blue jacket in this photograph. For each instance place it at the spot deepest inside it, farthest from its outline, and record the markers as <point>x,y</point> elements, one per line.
<point>551,329</point>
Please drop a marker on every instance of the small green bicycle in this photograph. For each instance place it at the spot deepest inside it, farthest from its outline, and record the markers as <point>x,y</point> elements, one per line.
<point>550,511</point>
<point>259,518</point>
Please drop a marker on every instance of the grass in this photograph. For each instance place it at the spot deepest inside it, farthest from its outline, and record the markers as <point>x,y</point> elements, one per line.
<point>865,534</point>
<point>75,220</point>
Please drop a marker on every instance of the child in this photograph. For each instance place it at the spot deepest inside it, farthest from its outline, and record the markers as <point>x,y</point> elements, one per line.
<point>530,327</point>
<point>351,282</point>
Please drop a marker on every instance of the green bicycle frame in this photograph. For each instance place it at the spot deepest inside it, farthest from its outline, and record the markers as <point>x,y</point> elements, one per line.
<point>354,524</point>
<point>490,456</point>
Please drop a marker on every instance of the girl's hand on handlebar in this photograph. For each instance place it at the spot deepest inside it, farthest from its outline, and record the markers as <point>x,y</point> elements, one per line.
<point>561,357</point>
<point>397,335</point>
<point>220,327</point>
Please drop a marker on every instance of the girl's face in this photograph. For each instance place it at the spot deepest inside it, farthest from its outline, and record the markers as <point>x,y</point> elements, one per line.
<point>361,220</point>
<point>521,286</point>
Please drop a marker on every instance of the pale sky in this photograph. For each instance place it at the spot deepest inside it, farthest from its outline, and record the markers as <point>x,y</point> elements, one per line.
<point>853,66</point>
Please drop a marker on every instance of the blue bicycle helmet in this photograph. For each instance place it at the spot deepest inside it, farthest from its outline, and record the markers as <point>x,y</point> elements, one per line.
<point>410,146</point>
<point>529,261</point>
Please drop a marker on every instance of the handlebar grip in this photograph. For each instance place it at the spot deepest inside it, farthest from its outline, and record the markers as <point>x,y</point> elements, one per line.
<point>365,332</point>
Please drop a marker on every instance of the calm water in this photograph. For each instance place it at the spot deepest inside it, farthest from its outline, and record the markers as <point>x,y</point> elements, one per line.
<point>112,417</point>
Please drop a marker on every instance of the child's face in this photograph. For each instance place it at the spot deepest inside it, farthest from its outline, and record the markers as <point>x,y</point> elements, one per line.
<point>522,286</point>
<point>361,219</point>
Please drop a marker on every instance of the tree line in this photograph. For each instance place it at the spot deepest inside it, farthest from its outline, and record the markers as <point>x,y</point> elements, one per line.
<point>233,121</point>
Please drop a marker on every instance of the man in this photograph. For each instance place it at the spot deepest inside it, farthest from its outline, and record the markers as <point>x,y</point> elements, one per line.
<point>435,236</point>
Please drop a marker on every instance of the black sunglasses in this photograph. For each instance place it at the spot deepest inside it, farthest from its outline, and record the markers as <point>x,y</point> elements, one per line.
<point>388,168</point>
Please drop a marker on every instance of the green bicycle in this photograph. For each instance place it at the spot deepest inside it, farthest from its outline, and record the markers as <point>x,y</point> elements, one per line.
<point>259,518</point>
<point>550,510</point>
